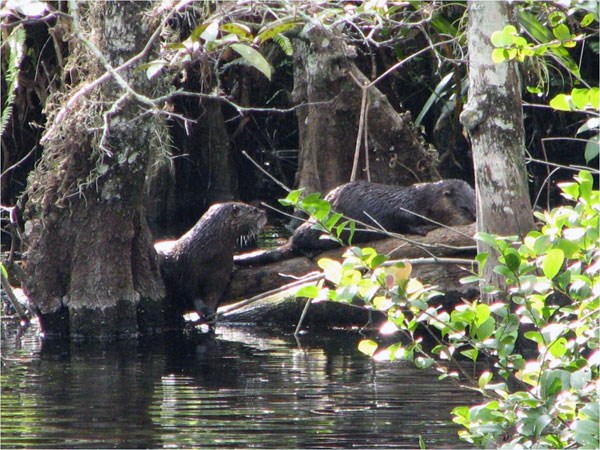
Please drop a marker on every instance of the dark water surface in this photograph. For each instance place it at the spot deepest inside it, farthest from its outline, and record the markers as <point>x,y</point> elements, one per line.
<point>244,388</point>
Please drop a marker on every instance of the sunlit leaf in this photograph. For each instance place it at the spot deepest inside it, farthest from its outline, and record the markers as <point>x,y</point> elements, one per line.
<point>368,347</point>
<point>553,262</point>
<point>579,97</point>
<point>484,379</point>
<point>561,102</point>
<point>308,292</point>
<point>253,58</point>
<point>588,19</point>
<point>498,55</point>
<point>332,269</point>
<point>561,32</point>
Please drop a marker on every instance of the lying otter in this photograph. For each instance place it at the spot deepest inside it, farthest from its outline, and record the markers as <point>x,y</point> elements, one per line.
<point>197,267</point>
<point>447,202</point>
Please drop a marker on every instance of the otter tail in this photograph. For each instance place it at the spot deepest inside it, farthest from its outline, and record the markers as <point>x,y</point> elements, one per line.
<point>261,257</point>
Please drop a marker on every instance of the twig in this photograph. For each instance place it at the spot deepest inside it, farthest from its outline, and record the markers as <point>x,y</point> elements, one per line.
<point>13,299</point>
<point>309,278</point>
<point>304,311</point>
<point>15,165</point>
<point>361,123</point>
<point>259,167</point>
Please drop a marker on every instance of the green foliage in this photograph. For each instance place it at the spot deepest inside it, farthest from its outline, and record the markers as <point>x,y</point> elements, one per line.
<point>546,397</point>
<point>552,34</point>
<point>584,100</point>
<point>16,44</point>
<point>512,45</point>
<point>215,36</point>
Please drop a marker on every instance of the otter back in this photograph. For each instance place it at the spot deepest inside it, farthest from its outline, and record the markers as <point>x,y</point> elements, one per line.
<point>415,209</point>
<point>197,267</point>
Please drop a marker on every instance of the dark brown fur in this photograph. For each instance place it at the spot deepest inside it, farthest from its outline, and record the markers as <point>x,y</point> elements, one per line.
<point>197,268</point>
<point>448,202</point>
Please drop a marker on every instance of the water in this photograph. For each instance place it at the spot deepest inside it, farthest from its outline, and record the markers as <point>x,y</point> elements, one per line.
<point>244,388</point>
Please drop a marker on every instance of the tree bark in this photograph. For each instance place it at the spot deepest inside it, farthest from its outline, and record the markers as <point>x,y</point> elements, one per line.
<point>328,121</point>
<point>493,118</point>
<point>92,270</point>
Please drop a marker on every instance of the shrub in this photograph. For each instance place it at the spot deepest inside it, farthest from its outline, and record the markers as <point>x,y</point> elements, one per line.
<point>545,397</point>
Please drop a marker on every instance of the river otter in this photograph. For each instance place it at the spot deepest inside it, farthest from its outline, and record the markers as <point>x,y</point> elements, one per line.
<point>197,267</point>
<point>447,202</point>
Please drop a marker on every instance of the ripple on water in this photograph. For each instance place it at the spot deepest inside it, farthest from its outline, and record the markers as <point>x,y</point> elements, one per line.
<point>241,389</point>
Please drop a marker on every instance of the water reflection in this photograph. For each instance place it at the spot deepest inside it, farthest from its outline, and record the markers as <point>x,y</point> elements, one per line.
<point>242,389</point>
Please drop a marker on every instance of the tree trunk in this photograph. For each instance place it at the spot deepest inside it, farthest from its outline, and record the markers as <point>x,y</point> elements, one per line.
<point>493,118</point>
<point>329,120</point>
<point>92,270</point>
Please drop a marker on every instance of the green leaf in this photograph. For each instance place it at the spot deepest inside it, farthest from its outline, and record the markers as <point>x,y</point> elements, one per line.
<point>423,363</point>
<point>586,433</point>
<point>308,292</point>
<point>591,124</point>
<point>332,269</point>
<point>535,336</point>
<point>486,329</point>
<point>484,379</point>
<point>580,378</point>
<point>488,238</point>
<point>277,27</point>
<point>292,198</point>
<point>501,38</point>
<point>555,18</point>
<point>472,354</point>
<point>561,32</point>
<point>238,29</point>
<point>498,55</point>
<point>592,149</point>
<point>561,102</point>
<point>588,19</point>
<point>586,184</point>
<point>553,262</point>
<point>570,190</point>
<point>533,26</point>
<point>579,97</point>
<point>253,58</point>
<point>558,347</point>
<point>368,347</point>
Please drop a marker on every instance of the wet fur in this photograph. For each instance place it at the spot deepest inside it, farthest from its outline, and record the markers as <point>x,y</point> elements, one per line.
<point>448,202</point>
<point>197,269</point>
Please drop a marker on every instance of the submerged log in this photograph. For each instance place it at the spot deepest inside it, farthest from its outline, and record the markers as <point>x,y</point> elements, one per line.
<point>283,308</point>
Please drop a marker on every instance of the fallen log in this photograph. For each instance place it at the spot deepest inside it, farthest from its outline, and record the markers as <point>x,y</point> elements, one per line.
<point>441,242</point>
<point>282,308</point>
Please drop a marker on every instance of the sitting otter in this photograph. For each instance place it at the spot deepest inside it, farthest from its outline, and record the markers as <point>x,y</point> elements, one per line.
<point>197,267</point>
<point>447,202</point>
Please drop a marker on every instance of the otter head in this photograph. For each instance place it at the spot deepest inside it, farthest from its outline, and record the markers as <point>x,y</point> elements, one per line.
<point>459,203</point>
<point>240,218</point>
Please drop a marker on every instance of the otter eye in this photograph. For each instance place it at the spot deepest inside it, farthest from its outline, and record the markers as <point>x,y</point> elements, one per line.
<point>447,193</point>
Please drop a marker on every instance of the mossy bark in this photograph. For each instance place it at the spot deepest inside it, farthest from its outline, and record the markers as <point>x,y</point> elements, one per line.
<point>92,270</point>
